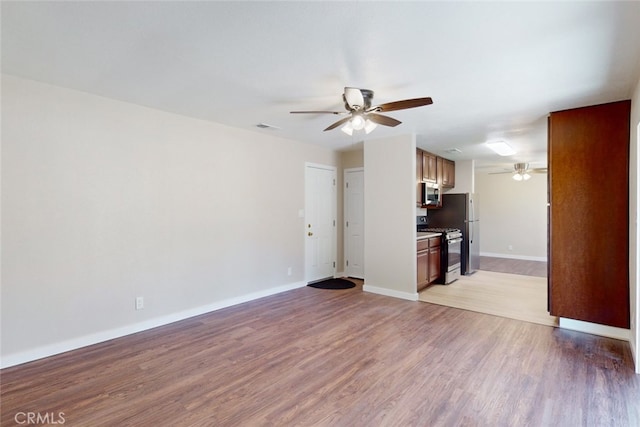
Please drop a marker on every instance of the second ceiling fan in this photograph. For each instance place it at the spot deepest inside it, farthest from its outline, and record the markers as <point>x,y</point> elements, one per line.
<point>362,115</point>
<point>521,171</point>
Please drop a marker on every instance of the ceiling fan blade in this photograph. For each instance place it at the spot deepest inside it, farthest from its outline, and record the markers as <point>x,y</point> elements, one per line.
<point>500,173</point>
<point>383,120</point>
<point>353,98</point>
<point>338,123</point>
<point>317,112</point>
<point>539,170</point>
<point>403,105</point>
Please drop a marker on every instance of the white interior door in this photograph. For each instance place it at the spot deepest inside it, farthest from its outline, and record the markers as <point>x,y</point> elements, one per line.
<point>320,222</point>
<point>354,222</point>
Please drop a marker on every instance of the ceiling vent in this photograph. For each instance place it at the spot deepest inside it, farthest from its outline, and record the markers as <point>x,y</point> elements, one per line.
<point>266,126</point>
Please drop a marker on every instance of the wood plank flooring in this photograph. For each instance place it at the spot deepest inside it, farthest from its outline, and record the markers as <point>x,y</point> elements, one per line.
<point>501,294</point>
<point>313,357</point>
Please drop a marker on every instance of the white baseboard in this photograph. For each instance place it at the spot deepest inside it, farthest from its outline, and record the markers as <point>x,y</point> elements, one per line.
<point>512,256</point>
<point>390,292</point>
<point>595,329</point>
<point>79,342</point>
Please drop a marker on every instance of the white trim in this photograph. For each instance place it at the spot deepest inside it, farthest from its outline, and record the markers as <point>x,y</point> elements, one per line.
<point>79,342</point>
<point>594,329</point>
<point>391,293</point>
<point>320,166</point>
<point>511,256</point>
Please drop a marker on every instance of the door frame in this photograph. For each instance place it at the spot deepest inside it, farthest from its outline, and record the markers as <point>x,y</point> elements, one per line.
<point>634,275</point>
<point>334,210</point>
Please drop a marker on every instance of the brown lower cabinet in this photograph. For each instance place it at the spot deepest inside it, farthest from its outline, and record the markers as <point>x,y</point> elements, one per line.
<point>589,214</point>
<point>434,261</point>
<point>423,267</point>
<point>428,257</point>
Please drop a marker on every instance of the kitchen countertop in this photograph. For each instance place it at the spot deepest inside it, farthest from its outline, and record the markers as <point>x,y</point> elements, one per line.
<point>426,235</point>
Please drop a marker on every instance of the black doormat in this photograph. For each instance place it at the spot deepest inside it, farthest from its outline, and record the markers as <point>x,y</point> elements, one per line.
<point>333,284</point>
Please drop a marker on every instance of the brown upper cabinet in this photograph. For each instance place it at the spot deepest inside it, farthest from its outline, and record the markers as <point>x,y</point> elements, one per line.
<point>419,194</point>
<point>419,165</point>
<point>437,172</point>
<point>448,173</point>
<point>429,167</point>
<point>589,214</point>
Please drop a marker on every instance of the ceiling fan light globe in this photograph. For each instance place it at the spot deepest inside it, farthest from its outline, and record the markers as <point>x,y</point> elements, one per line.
<point>348,128</point>
<point>357,122</point>
<point>517,177</point>
<point>369,126</point>
<point>526,176</point>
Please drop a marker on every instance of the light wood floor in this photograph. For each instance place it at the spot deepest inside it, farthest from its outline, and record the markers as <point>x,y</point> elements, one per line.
<point>501,294</point>
<point>313,357</point>
<point>506,287</point>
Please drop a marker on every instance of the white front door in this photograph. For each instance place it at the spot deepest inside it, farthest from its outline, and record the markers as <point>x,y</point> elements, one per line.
<point>320,222</point>
<point>354,222</point>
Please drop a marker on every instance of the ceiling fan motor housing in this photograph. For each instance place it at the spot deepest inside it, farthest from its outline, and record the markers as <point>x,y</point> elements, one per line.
<point>353,97</point>
<point>521,167</point>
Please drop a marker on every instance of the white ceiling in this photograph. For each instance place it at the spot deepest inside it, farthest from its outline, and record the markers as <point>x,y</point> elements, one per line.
<point>493,69</point>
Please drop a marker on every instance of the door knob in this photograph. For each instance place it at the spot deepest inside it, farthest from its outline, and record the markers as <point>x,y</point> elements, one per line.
<point>309,234</point>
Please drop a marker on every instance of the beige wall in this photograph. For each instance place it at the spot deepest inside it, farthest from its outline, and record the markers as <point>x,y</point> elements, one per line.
<point>634,240</point>
<point>103,201</point>
<point>352,158</point>
<point>513,213</point>
<point>465,177</point>
<point>389,222</point>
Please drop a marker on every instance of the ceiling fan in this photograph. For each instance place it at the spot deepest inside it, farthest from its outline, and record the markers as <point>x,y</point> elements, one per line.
<point>521,171</point>
<point>361,115</point>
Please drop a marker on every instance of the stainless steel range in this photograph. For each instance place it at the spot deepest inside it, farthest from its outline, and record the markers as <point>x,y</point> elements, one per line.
<point>451,251</point>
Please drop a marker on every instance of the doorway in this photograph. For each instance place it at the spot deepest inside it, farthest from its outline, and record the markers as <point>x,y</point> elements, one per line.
<point>354,222</point>
<point>320,222</point>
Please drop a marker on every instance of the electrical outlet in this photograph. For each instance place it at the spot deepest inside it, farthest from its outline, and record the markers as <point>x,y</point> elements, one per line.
<point>289,271</point>
<point>510,247</point>
<point>139,303</point>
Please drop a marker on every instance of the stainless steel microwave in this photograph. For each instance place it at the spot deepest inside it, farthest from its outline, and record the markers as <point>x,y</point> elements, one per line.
<point>431,194</point>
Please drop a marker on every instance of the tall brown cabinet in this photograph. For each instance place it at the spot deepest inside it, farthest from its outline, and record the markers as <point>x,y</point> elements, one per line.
<point>589,214</point>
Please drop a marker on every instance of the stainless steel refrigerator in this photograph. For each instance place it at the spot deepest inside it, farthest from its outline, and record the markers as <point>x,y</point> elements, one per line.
<point>461,211</point>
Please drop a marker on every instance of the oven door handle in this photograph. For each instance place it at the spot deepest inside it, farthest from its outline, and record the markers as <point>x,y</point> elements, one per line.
<point>458,240</point>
